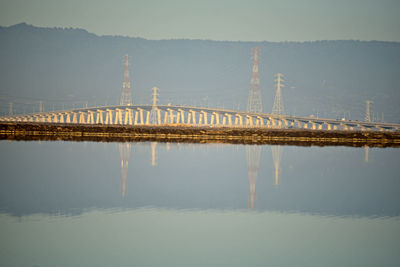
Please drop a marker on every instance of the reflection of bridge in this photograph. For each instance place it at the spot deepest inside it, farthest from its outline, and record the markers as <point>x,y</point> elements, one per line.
<point>192,116</point>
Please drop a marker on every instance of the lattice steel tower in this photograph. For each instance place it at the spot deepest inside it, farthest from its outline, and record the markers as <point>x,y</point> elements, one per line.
<point>278,103</point>
<point>126,95</point>
<point>254,102</point>
<point>368,111</point>
<point>155,117</point>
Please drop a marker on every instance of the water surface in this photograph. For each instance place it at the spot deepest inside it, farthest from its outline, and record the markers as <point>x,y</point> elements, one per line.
<point>157,204</point>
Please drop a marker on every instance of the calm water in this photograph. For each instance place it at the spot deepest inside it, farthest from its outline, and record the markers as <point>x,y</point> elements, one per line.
<point>148,204</point>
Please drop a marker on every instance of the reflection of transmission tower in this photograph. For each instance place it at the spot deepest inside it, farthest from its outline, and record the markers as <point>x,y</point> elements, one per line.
<point>254,103</point>
<point>278,103</point>
<point>124,152</point>
<point>155,116</point>
<point>126,96</point>
<point>253,163</point>
<point>276,156</point>
<point>368,111</point>
<point>153,153</point>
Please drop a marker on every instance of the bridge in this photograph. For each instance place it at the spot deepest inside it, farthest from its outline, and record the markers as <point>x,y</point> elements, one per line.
<point>193,116</point>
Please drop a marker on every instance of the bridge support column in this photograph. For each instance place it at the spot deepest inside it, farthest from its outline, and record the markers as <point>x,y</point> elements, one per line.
<point>171,115</point>
<point>259,121</point>
<point>74,117</point>
<point>229,118</point>
<point>158,116</point>
<point>328,126</point>
<point>135,122</point>
<point>68,117</point>
<point>272,122</point>
<point>109,116</point>
<point>141,116</point>
<point>90,119</point>
<point>55,117</point>
<point>238,120</point>
<point>285,122</point>
<point>61,117</point>
<point>99,117</point>
<point>147,117</point>
<point>249,120</point>
<point>205,117</point>
<point>128,116</point>
<point>313,126</point>
<point>118,116</point>
<point>217,122</point>
<point>82,117</point>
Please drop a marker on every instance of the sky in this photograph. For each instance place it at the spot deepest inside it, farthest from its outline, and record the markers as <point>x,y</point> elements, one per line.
<point>234,20</point>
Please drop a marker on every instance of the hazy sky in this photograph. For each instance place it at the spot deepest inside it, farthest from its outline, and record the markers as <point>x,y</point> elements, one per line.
<point>247,20</point>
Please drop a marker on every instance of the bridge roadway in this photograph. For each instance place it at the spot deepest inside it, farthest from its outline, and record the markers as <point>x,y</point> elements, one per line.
<point>167,114</point>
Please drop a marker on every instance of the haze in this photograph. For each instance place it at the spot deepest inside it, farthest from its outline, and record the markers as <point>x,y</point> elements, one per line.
<point>254,20</point>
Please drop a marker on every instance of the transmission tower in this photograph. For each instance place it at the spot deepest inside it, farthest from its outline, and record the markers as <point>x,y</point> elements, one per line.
<point>126,96</point>
<point>10,111</point>
<point>254,103</point>
<point>278,103</point>
<point>368,111</point>
<point>154,113</point>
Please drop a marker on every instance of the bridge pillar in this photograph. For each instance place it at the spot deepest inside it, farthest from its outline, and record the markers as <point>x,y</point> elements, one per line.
<point>217,118</point>
<point>285,122</point>
<point>313,126</point>
<point>74,117</point>
<point>128,116</point>
<point>238,120</point>
<point>320,126</point>
<point>141,116</point>
<point>67,117</point>
<point>305,125</point>
<point>205,117</point>
<point>193,116</point>
<point>99,117</point>
<point>109,116</point>
<point>135,122</point>
<point>229,118</point>
<point>249,120</point>
<point>118,116</point>
<point>180,116</point>
<point>328,126</point>
<point>147,117</point>
<point>54,119</point>
<point>61,117</point>
<point>259,121</point>
<point>90,119</point>
<point>201,115</point>
<point>82,117</point>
